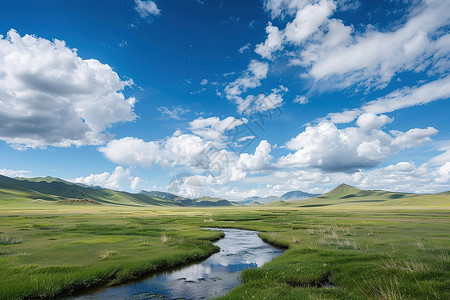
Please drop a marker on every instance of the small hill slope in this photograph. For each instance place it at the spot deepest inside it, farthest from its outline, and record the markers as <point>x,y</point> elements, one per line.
<point>348,196</point>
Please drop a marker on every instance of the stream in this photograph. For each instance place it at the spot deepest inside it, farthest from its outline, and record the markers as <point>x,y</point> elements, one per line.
<point>212,277</point>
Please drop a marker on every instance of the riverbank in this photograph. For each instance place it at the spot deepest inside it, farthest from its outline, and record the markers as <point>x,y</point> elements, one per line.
<point>49,254</point>
<point>402,253</point>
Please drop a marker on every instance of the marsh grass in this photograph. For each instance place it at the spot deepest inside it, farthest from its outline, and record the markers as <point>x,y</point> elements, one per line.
<point>363,254</point>
<point>10,240</point>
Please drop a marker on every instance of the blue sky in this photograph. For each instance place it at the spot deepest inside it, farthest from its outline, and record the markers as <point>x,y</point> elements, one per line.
<point>227,98</point>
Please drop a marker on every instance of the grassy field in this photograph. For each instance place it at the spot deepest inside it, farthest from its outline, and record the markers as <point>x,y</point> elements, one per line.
<point>334,252</point>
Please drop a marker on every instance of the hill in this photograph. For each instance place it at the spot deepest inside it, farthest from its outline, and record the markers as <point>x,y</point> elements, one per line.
<point>297,195</point>
<point>348,196</point>
<point>56,190</point>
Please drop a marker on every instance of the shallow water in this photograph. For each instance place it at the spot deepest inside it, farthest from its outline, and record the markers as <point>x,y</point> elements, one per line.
<point>213,277</point>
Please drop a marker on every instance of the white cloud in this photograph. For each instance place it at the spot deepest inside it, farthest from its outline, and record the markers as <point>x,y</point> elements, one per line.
<point>443,157</point>
<point>146,8</point>
<point>175,112</point>
<point>402,177</point>
<point>280,8</point>
<point>246,163</point>
<point>51,96</point>
<point>336,54</point>
<point>213,128</point>
<point>132,151</point>
<point>177,150</point>
<point>244,48</point>
<point>399,99</point>
<point>14,173</point>
<point>328,148</point>
<point>371,59</point>
<point>300,99</point>
<point>307,21</point>
<point>204,82</point>
<point>261,103</point>
<point>273,42</point>
<point>251,78</point>
<point>114,180</point>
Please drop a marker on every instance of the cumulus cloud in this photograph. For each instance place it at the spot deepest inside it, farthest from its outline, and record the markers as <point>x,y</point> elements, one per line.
<point>175,112</point>
<point>328,148</point>
<point>186,150</point>
<point>307,21</point>
<point>114,180</point>
<point>146,8</point>
<point>14,173</point>
<point>51,96</point>
<point>132,151</point>
<point>238,169</point>
<point>260,160</point>
<point>402,177</point>
<point>273,42</point>
<point>203,151</point>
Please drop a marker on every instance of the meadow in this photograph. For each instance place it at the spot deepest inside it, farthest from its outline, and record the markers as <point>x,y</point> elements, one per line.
<point>348,252</point>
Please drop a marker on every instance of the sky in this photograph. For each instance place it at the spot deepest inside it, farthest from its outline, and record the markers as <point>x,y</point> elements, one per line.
<point>227,98</point>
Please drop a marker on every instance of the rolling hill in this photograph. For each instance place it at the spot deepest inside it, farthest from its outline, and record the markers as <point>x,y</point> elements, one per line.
<point>348,196</point>
<point>56,190</point>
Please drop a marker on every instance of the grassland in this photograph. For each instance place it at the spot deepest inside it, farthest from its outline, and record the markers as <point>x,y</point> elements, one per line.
<point>375,251</point>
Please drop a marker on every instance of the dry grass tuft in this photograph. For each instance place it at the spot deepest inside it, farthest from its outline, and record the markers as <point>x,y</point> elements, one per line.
<point>164,238</point>
<point>412,265</point>
<point>383,289</point>
<point>104,254</point>
<point>10,240</point>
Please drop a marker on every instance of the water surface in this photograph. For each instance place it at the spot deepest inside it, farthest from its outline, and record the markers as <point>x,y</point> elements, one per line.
<point>213,277</point>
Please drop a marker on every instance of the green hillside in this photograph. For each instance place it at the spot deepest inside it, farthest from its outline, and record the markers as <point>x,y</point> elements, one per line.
<point>348,196</point>
<point>54,189</point>
<point>57,191</point>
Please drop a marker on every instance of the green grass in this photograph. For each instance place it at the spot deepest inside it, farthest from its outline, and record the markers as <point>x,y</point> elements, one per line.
<point>365,251</point>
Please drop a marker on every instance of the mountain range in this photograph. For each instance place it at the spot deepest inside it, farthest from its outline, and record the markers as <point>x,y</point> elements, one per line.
<point>61,191</point>
<point>289,196</point>
<point>55,190</point>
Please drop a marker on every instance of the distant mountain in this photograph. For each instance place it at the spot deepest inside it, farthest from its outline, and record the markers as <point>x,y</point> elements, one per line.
<point>202,201</point>
<point>211,201</point>
<point>162,195</point>
<point>255,200</point>
<point>297,195</point>
<point>289,196</point>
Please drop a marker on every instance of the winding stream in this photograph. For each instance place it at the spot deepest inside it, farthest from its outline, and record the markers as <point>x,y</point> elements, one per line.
<point>213,277</point>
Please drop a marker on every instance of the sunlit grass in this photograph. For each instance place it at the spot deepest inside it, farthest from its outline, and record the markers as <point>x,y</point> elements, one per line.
<point>372,253</point>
